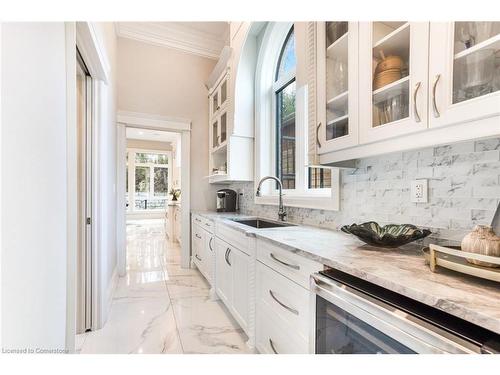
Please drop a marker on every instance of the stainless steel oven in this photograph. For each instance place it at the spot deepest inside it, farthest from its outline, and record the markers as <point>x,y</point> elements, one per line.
<point>352,316</point>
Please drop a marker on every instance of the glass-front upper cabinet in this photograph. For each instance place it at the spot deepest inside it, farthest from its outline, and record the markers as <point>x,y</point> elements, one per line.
<point>337,85</point>
<point>464,72</point>
<point>393,68</point>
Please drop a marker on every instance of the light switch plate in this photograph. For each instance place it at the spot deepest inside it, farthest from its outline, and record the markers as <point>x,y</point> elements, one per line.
<point>418,191</point>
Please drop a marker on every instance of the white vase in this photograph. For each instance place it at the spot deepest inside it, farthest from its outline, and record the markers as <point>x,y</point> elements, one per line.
<point>482,240</point>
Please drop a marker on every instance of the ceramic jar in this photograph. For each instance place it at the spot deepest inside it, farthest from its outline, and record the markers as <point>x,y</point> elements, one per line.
<point>482,240</point>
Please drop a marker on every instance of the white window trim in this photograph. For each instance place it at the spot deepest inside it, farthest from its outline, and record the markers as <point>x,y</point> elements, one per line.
<point>131,174</point>
<point>265,130</point>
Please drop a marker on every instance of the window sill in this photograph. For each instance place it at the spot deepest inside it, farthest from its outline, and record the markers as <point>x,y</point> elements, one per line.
<point>323,202</point>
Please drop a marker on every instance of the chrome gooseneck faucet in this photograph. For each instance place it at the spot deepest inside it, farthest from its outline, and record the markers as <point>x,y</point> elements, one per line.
<point>281,209</point>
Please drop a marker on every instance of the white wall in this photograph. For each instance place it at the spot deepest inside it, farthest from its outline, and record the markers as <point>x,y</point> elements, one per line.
<point>33,169</point>
<point>107,156</point>
<point>161,81</point>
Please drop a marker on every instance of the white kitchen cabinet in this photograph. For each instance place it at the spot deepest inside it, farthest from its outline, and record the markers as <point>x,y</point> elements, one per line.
<point>223,273</point>
<point>231,124</point>
<point>282,300</point>
<point>393,71</point>
<point>202,249</point>
<point>337,85</point>
<point>464,72</point>
<point>232,280</point>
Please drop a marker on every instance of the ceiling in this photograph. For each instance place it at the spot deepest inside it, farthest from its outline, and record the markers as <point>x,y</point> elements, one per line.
<point>152,135</point>
<point>200,38</point>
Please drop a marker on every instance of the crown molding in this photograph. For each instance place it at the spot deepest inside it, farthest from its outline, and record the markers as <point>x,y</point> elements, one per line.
<point>174,36</point>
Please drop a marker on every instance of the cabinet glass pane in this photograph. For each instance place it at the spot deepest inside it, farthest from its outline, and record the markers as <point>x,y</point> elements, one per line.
<point>390,71</point>
<point>337,119</point>
<point>223,92</point>
<point>215,134</point>
<point>476,60</point>
<point>215,102</point>
<point>223,127</point>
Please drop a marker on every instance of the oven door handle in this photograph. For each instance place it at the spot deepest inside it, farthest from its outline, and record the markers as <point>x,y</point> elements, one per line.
<point>410,331</point>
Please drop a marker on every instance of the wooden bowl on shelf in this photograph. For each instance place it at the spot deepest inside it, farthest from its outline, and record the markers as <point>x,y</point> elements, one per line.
<point>384,78</point>
<point>389,63</point>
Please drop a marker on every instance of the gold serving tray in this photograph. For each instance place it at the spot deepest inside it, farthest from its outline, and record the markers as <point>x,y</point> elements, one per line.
<point>456,260</point>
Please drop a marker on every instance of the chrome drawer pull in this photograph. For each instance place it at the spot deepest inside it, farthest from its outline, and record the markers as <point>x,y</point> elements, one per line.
<point>197,257</point>
<point>198,236</point>
<point>282,304</point>
<point>227,256</point>
<point>434,104</point>
<point>210,244</point>
<point>295,267</point>
<point>415,109</point>
<point>198,220</point>
<point>208,224</point>
<point>272,346</point>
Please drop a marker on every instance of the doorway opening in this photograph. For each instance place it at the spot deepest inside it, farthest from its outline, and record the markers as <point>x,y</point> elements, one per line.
<point>85,274</point>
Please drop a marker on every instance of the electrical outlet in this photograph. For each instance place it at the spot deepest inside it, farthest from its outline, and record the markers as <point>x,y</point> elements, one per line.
<point>418,191</point>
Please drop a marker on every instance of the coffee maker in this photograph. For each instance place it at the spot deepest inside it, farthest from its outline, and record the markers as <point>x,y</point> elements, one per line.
<point>226,200</point>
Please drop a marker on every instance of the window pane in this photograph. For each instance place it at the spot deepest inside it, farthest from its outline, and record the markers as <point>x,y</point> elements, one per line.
<point>287,60</point>
<point>161,182</point>
<point>320,178</point>
<point>286,135</point>
<point>141,187</point>
<point>142,157</point>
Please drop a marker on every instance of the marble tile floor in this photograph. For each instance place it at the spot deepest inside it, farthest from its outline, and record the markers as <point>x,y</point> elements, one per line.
<point>159,307</point>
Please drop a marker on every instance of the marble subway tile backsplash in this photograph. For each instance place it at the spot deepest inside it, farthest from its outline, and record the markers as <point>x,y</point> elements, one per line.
<point>464,190</point>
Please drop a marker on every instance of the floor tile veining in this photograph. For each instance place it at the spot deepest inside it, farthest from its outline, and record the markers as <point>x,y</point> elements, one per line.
<point>159,307</point>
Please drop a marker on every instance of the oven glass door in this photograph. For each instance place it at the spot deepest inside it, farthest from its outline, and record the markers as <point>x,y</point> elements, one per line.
<point>338,332</point>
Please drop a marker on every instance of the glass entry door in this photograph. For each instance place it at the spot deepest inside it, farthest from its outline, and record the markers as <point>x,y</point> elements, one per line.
<point>338,332</point>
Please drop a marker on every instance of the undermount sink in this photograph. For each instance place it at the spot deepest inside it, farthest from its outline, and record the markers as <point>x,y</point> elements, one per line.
<point>262,223</point>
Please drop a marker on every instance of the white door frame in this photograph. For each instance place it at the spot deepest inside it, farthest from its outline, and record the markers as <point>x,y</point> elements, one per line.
<point>83,36</point>
<point>153,122</point>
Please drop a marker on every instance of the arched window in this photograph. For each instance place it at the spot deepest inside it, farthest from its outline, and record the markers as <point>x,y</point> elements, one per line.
<point>281,121</point>
<point>284,90</point>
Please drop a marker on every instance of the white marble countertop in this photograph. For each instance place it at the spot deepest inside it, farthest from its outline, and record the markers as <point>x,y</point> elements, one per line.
<point>401,270</point>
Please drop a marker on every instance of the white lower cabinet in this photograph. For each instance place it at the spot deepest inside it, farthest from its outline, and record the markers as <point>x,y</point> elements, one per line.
<point>283,311</point>
<point>232,280</point>
<point>202,249</point>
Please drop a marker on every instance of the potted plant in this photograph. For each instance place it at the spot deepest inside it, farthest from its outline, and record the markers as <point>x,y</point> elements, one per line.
<point>175,193</point>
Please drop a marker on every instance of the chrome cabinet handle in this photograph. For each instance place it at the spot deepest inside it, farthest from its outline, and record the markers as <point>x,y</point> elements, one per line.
<point>208,224</point>
<point>318,143</point>
<point>228,251</point>
<point>210,244</point>
<point>197,257</point>
<point>415,109</point>
<point>282,304</point>
<point>198,220</point>
<point>198,236</point>
<point>271,343</point>
<point>294,266</point>
<point>434,104</point>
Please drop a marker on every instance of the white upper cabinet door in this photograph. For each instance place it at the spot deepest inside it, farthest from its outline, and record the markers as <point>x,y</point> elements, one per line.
<point>393,79</point>
<point>464,72</point>
<point>337,85</point>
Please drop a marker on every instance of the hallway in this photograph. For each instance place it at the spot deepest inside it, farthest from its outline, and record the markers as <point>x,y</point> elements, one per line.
<point>158,307</point>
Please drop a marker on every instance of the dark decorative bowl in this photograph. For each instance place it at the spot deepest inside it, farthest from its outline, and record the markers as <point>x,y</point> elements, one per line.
<point>392,235</point>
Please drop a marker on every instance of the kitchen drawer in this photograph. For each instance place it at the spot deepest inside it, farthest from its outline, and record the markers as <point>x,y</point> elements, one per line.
<point>288,301</point>
<point>208,225</point>
<point>233,237</point>
<point>197,219</point>
<point>295,267</point>
<point>273,336</point>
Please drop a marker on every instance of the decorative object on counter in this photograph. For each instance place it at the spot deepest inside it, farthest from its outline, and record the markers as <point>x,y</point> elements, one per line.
<point>175,193</point>
<point>391,235</point>
<point>482,240</point>
<point>495,223</point>
<point>455,259</point>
